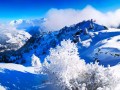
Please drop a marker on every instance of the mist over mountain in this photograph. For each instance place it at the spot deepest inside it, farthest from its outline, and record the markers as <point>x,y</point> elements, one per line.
<point>11,38</point>
<point>55,19</point>
<point>31,26</point>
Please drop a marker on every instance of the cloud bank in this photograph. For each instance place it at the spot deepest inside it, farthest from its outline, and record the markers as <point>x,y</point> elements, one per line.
<point>58,18</point>
<point>25,24</point>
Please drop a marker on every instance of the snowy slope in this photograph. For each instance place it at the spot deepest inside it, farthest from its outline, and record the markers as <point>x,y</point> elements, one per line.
<point>105,46</point>
<point>18,77</point>
<point>15,67</point>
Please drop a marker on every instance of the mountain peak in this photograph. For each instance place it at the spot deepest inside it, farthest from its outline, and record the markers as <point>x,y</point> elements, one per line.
<point>40,44</point>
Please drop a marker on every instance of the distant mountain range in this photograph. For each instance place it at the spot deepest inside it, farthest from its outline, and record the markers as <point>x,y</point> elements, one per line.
<point>30,26</point>
<point>12,39</point>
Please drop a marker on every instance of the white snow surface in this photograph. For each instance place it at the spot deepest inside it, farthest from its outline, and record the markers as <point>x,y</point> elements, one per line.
<point>114,42</point>
<point>16,67</point>
<point>2,88</point>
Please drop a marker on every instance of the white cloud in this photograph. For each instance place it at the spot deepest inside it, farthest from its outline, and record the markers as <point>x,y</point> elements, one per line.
<point>58,18</point>
<point>25,24</point>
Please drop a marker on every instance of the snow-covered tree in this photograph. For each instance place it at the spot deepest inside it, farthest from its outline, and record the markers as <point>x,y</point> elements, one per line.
<point>63,64</point>
<point>36,64</point>
<point>97,76</point>
<point>35,61</point>
<point>68,72</point>
<point>86,31</point>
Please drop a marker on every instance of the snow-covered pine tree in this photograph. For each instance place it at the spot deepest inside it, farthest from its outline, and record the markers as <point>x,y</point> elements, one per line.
<point>98,76</point>
<point>68,72</point>
<point>63,65</point>
<point>35,61</point>
<point>36,64</point>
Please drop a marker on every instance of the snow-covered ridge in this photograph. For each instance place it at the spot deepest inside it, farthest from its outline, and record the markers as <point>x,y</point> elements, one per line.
<point>94,41</point>
<point>87,34</point>
<point>41,43</point>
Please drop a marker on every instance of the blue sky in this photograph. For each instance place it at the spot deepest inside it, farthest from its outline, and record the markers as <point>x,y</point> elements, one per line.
<point>28,9</point>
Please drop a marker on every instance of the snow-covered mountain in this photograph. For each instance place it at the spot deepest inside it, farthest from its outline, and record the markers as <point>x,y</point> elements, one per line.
<point>12,39</point>
<point>86,34</point>
<point>95,42</point>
